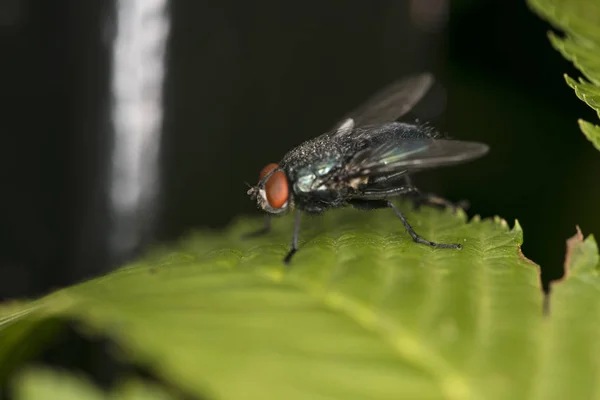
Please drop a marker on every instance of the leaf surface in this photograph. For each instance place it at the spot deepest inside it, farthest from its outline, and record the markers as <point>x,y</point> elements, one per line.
<point>363,312</point>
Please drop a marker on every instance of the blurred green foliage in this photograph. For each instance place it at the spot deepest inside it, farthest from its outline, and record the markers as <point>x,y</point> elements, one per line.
<point>580,21</point>
<point>46,384</point>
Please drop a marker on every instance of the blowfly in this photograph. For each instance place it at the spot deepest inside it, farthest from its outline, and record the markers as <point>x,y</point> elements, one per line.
<point>363,162</point>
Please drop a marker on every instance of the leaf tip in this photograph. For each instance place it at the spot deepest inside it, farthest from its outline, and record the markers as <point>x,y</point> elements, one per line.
<point>517,227</point>
<point>462,214</point>
<point>572,243</point>
<point>578,248</point>
<point>570,81</point>
<point>500,221</point>
<point>518,231</point>
<point>556,41</point>
<point>590,131</point>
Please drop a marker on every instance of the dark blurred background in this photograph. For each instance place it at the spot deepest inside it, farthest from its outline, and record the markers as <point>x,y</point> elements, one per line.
<point>127,122</point>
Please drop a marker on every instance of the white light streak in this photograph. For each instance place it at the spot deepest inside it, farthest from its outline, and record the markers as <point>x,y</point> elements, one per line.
<point>138,70</point>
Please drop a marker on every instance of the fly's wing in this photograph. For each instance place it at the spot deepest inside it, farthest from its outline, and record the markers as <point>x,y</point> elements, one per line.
<point>390,103</point>
<point>395,156</point>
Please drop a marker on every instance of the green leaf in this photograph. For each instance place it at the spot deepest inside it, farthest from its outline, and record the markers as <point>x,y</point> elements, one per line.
<point>570,345</point>
<point>580,21</point>
<point>39,383</point>
<point>362,313</point>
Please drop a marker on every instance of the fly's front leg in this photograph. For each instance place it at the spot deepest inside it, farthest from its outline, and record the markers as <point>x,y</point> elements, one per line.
<point>294,247</point>
<point>266,228</point>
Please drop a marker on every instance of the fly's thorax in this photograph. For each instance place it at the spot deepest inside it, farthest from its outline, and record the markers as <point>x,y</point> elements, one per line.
<point>319,150</point>
<point>315,177</point>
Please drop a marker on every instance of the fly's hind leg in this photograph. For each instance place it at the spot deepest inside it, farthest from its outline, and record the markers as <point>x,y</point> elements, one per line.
<point>375,204</point>
<point>429,199</point>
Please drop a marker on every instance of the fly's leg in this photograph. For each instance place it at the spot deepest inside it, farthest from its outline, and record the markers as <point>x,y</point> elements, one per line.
<point>384,194</point>
<point>294,247</point>
<point>418,238</point>
<point>266,228</point>
<point>420,199</point>
<point>374,204</point>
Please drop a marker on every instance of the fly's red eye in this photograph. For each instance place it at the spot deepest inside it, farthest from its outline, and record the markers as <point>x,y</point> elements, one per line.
<point>276,187</point>
<point>277,190</point>
<point>266,170</point>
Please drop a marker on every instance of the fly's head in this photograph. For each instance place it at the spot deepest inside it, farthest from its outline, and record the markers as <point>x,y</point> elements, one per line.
<point>272,192</point>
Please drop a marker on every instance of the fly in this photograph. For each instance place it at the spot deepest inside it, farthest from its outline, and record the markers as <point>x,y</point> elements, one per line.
<point>363,162</point>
